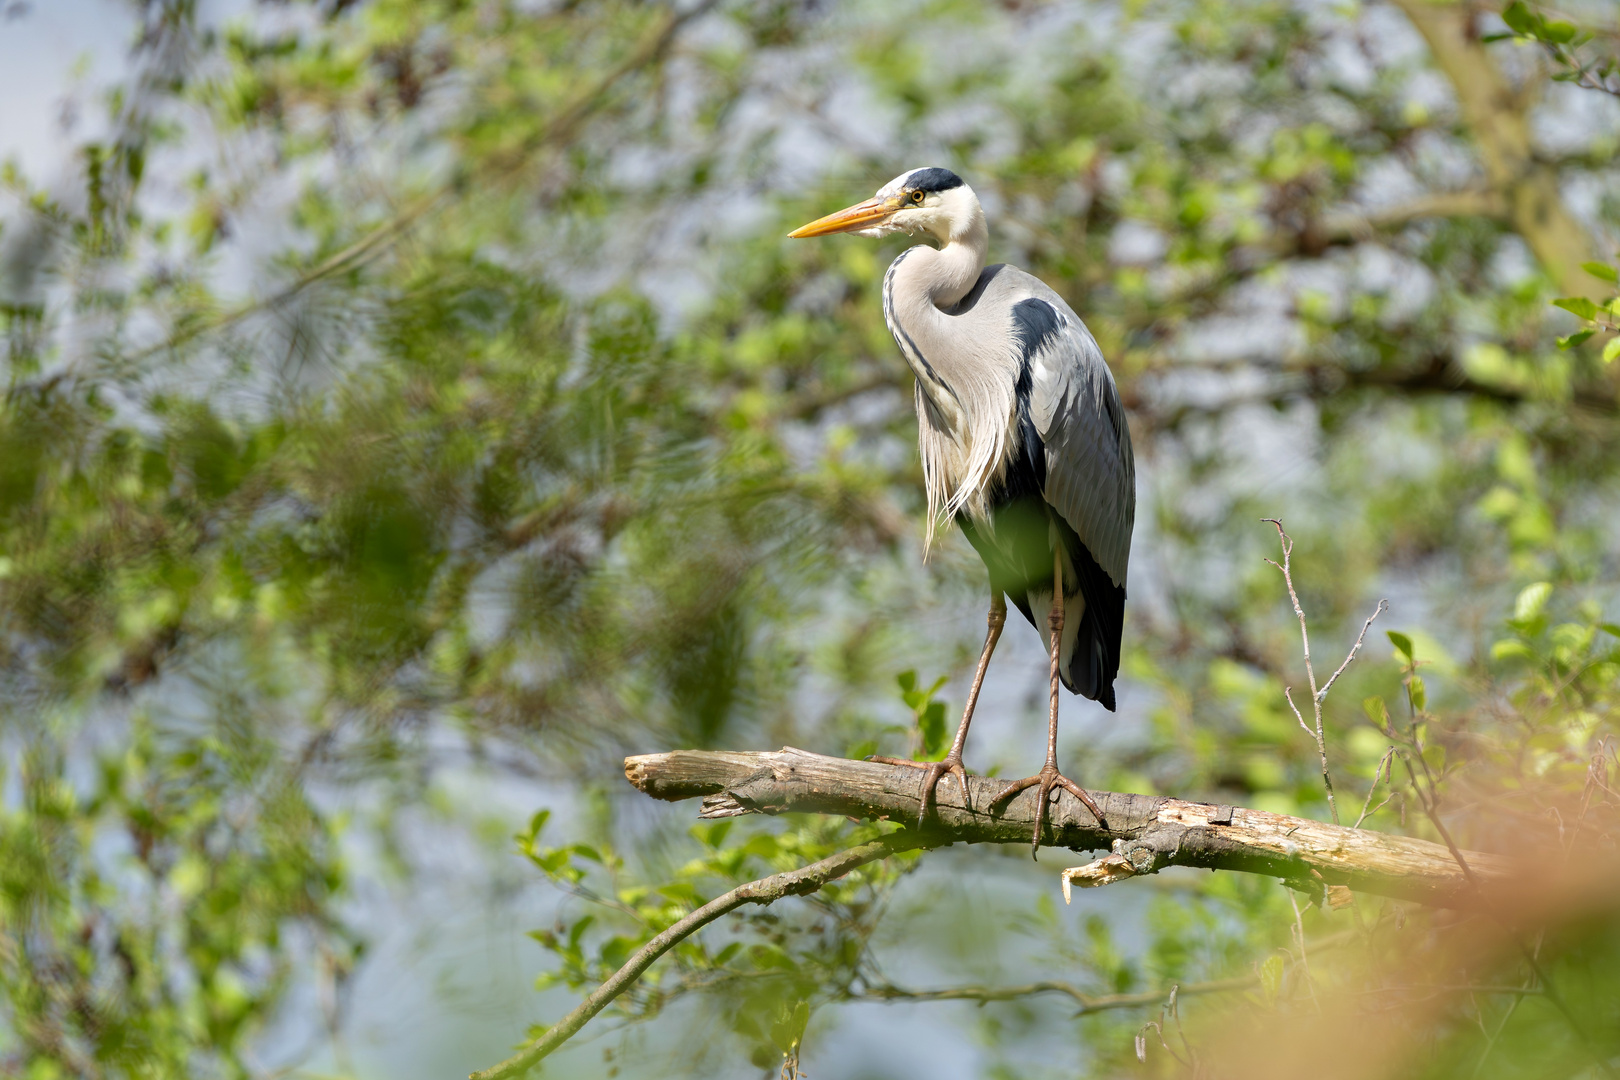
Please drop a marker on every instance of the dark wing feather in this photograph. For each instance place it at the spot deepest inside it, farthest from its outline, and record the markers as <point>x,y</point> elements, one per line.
<point>1089,475</point>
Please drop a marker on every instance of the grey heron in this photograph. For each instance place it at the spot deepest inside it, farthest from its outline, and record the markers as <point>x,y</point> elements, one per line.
<point>1023,442</point>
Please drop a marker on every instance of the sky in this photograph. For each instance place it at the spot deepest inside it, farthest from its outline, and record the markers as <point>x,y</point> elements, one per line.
<point>56,57</point>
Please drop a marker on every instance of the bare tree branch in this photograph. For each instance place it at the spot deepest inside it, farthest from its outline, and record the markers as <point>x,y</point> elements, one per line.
<point>1145,833</point>
<point>1386,767</point>
<point>1345,226</point>
<point>1310,672</point>
<point>1088,1003</point>
<point>1383,605</point>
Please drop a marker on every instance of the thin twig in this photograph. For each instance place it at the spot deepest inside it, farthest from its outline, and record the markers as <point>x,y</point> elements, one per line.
<point>1181,1032</point>
<point>1386,765</point>
<point>1317,695</point>
<point>1429,801</point>
<point>1304,964</point>
<point>1088,1003</point>
<point>1383,605</point>
<point>806,879</point>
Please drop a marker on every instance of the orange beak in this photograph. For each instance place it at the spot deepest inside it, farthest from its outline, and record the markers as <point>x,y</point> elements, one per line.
<point>849,219</point>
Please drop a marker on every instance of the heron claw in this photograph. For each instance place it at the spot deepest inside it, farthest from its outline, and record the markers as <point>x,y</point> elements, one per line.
<point>933,771</point>
<point>1048,779</point>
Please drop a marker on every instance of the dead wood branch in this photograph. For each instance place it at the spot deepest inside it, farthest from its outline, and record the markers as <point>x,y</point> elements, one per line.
<point>1145,833</point>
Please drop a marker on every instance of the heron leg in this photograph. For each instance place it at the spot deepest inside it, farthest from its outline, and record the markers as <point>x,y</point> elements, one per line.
<point>1049,777</point>
<point>952,762</point>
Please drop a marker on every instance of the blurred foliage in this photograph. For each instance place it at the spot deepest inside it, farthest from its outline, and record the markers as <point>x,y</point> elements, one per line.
<point>396,388</point>
<point>1575,50</point>
<point>775,966</point>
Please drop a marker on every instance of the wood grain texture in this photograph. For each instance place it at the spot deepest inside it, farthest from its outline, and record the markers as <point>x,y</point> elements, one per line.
<point>1151,832</point>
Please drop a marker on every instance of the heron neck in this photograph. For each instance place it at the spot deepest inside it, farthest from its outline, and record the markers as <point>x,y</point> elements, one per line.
<point>957,367</point>
<point>921,290</point>
<point>946,274</point>
<point>964,396</point>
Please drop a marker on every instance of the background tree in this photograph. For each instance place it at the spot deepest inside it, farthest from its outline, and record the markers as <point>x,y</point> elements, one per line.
<point>411,408</point>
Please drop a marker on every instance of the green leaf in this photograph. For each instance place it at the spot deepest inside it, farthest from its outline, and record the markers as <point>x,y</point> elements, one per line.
<point>1572,340</point>
<point>763,846</point>
<point>551,860</point>
<point>682,892</point>
<point>1578,306</point>
<point>1511,649</point>
<point>907,680</point>
<point>617,949</point>
<point>932,723</point>
<point>536,823</point>
<point>1558,32</point>
<point>767,956</point>
<point>1520,19</point>
<point>579,931</point>
<point>1402,643</point>
<point>862,749</point>
<point>1271,975</point>
<point>1602,271</point>
<point>713,835</point>
<point>1531,599</point>
<point>788,1028</point>
<point>1377,712</point>
<point>1611,349</point>
<point>1418,692</point>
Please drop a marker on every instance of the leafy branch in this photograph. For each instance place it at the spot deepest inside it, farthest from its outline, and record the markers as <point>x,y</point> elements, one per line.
<point>766,890</point>
<point>1562,40</point>
<point>1597,317</point>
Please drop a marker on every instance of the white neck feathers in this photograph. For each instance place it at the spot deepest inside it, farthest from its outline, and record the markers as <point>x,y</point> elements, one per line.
<point>965,397</point>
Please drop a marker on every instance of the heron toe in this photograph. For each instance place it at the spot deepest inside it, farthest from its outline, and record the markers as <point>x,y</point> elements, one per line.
<point>933,771</point>
<point>1048,779</point>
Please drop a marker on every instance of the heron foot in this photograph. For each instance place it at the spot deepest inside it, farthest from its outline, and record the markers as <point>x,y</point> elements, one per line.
<point>1048,779</point>
<point>933,771</point>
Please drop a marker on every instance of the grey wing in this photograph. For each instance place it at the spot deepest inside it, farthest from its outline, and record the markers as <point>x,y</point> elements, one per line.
<point>1088,479</point>
<point>1090,474</point>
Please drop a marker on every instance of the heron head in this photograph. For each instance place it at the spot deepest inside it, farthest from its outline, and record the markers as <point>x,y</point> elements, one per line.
<point>932,201</point>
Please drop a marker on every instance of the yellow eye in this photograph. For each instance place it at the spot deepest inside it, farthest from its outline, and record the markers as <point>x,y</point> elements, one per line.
<point>917,197</point>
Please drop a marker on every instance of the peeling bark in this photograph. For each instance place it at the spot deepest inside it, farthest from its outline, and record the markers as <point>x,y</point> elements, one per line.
<point>1144,832</point>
